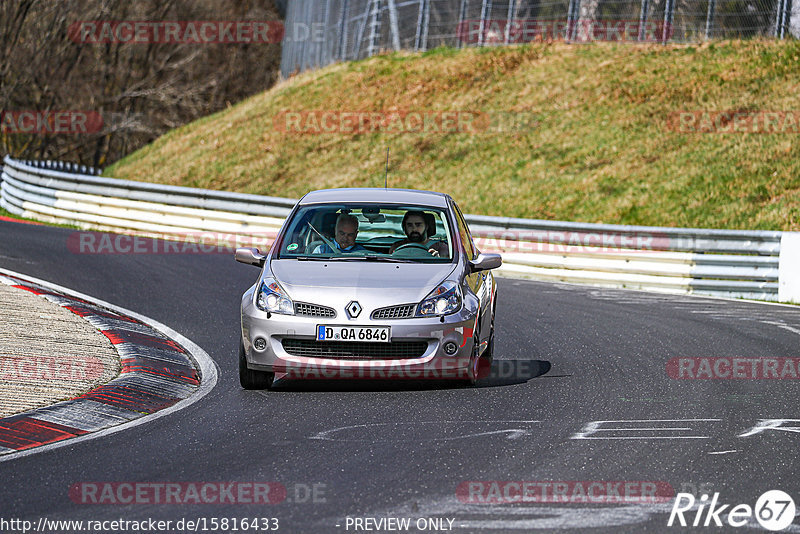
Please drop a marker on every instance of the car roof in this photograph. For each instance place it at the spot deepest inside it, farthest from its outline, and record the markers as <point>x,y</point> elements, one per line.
<point>376,194</point>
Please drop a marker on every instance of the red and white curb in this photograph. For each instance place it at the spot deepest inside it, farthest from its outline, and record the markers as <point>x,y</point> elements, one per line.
<point>162,372</point>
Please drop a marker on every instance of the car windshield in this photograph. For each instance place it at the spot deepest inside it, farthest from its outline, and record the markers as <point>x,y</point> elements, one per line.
<point>368,232</point>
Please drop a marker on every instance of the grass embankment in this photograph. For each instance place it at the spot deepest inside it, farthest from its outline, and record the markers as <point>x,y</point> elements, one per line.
<point>600,148</point>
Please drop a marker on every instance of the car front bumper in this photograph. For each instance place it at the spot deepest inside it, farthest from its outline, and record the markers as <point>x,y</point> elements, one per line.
<point>268,333</point>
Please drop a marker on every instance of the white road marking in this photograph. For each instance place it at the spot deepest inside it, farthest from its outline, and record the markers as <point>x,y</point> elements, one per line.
<point>783,325</point>
<point>513,433</point>
<point>545,517</point>
<point>594,427</point>
<point>772,424</point>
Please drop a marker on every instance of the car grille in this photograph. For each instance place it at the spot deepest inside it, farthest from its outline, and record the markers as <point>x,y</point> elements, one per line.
<point>355,350</point>
<point>313,310</point>
<point>403,311</point>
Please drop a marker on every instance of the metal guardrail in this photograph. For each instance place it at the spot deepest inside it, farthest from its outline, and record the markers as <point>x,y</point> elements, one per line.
<point>732,263</point>
<point>56,178</point>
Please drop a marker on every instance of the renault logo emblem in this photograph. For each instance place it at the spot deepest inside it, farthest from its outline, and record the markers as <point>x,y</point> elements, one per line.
<point>353,309</point>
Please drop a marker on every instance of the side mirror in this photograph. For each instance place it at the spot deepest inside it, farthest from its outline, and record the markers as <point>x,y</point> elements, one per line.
<point>484,262</point>
<point>250,256</point>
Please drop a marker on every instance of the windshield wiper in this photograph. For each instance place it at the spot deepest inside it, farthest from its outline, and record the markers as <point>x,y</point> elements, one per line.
<point>369,257</point>
<point>327,241</point>
<point>330,258</point>
<point>389,259</point>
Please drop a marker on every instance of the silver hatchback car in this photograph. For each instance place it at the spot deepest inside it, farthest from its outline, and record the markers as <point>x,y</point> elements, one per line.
<point>369,283</point>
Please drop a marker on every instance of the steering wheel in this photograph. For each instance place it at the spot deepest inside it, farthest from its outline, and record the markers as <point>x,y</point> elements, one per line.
<point>409,245</point>
<point>412,250</point>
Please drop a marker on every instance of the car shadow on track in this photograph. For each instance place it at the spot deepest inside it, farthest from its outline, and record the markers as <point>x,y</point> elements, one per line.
<point>510,372</point>
<point>502,373</point>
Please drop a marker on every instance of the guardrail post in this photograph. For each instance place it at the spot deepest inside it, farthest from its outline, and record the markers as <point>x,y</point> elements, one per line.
<point>778,12</point>
<point>361,28</point>
<point>669,9</point>
<point>462,12</point>
<point>324,48</point>
<point>572,19</point>
<point>712,6</point>
<point>783,18</point>
<point>304,44</point>
<point>374,28</point>
<point>643,19</point>
<point>418,34</point>
<point>393,24</point>
<point>509,20</point>
<point>485,10</point>
<point>789,268</point>
<point>426,25</point>
<point>345,14</point>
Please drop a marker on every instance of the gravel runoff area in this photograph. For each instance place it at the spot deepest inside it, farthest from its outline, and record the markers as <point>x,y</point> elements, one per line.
<point>47,353</point>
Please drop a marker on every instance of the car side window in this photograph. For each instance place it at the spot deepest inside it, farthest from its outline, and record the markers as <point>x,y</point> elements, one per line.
<point>463,232</point>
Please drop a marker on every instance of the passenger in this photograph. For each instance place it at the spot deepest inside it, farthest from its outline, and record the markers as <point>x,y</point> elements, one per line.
<point>345,238</point>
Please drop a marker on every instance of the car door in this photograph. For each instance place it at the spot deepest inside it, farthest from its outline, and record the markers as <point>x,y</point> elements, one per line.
<point>478,283</point>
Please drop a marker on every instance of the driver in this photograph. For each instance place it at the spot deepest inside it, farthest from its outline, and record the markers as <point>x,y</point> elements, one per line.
<point>345,238</point>
<point>417,233</point>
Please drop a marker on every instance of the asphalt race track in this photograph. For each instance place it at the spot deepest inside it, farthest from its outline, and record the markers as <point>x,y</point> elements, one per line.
<point>580,393</point>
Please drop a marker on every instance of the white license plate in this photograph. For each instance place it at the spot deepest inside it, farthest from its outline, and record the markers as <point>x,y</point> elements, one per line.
<point>380,334</point>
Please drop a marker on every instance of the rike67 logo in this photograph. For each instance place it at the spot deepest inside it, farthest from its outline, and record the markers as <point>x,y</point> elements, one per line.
<point>774,511</point>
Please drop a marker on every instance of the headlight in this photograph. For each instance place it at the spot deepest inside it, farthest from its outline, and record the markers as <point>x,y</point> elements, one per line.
<point>272,298</point>
<point>443,300</point>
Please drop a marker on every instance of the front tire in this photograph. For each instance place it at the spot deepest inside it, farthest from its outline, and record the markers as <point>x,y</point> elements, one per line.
<point>488,354</point>
<point>250,378</point>
<point>479,366</point>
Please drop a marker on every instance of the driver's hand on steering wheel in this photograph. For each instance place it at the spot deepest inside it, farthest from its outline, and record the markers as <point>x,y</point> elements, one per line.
<point>433,252</point>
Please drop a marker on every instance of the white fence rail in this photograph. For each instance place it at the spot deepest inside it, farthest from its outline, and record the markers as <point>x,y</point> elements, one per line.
<point>732,263</point>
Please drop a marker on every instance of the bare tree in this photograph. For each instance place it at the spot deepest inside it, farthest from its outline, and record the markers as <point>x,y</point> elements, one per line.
<point>140,90</point>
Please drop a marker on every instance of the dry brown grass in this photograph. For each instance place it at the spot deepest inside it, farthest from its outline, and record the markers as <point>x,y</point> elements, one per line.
<point>600,148</point>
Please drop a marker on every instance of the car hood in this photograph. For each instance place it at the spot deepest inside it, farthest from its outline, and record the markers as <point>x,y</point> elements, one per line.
<point>337,282</point>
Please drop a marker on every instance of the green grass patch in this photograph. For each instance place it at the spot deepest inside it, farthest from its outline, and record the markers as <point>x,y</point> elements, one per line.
<point>596,138</point>
<point>5,213</point>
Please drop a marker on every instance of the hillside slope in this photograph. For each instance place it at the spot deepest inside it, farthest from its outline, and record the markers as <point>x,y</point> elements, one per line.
<point>598,134</point>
